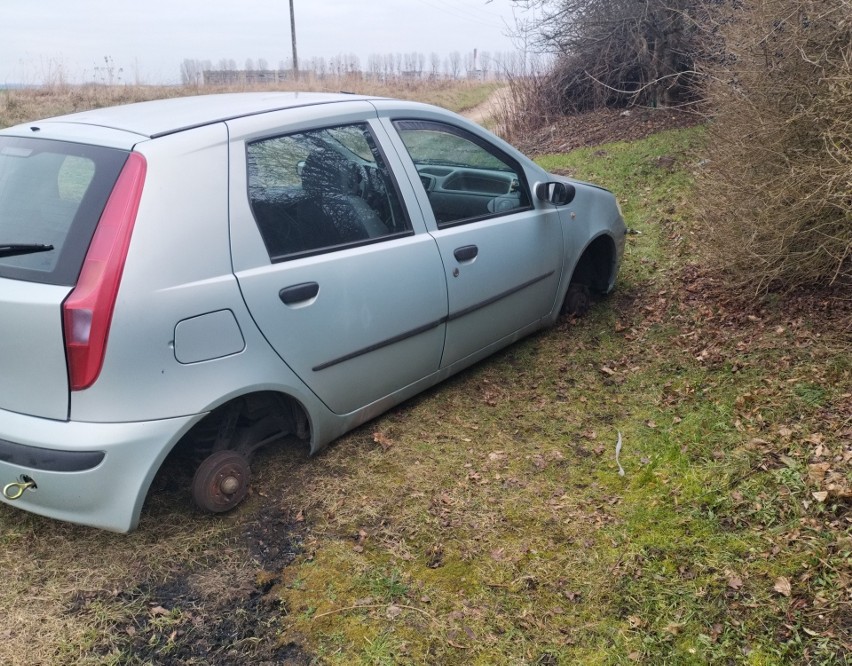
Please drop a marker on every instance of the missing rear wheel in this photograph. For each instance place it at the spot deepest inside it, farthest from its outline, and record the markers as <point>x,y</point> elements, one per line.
<point>221,481</point>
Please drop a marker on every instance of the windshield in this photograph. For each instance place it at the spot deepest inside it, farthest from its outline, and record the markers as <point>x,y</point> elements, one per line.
<point>51,196</point>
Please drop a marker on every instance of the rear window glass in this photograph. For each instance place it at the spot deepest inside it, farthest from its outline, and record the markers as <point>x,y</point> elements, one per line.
<point>52,194</point>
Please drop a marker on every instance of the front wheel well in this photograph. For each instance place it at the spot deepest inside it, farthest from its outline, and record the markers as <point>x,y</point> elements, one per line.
<point>595,266</point>
<point>592,276</point>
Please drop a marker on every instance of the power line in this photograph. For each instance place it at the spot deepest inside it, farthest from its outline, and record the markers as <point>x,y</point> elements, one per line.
<point>453,11</point>
<point>470,11</point>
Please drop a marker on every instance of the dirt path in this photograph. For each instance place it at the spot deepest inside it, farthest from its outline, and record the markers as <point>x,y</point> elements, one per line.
<point>488,110</point>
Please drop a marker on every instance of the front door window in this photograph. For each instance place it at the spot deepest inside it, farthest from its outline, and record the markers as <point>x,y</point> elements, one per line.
<point>465,178</point>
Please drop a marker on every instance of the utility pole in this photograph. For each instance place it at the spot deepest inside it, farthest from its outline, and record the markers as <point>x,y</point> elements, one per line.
<point>293,36</point>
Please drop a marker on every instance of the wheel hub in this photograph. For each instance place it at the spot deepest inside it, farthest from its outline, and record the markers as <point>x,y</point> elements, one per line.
<point>229,485</point>
<point>221,481</point>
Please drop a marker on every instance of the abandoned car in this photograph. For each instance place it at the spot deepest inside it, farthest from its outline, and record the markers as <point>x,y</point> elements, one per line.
<point>224,272</point>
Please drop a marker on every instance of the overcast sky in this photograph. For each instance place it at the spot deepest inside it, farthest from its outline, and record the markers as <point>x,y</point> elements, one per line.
<point>148,39</point>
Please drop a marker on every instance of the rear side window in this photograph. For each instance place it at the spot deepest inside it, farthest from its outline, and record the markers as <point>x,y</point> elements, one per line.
<point>52,193</point>
<point>322,190</point>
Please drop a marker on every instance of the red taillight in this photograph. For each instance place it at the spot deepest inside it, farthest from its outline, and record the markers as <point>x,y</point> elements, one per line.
<point>87,312</point>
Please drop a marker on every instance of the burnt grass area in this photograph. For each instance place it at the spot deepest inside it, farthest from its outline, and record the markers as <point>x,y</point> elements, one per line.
<point>225,612</point>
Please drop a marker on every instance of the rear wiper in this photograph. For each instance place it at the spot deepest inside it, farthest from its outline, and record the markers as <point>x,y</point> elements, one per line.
<point>13,249</point>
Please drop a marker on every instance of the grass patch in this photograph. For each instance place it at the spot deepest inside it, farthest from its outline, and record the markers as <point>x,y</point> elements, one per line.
<point>652,180</point>
<point>497,500</point>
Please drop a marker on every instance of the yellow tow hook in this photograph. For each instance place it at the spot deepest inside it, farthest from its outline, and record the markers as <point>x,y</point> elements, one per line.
<point>14,490</point>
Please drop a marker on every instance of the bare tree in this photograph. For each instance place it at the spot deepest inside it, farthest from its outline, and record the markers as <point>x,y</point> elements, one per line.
<point>374,66</point>
<point>318,66</point>
<point>470,63</point>
<point>387,64</point>
<point>434,65</point>
<point>191,72</point>
<point>409,62</point>
<point>499,63</point>
<point>454,60</point>
<point>485,64</point>
<point>353,64</point>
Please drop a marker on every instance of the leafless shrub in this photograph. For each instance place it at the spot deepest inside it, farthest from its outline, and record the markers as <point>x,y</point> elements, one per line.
<point>618,53</point>
<point>525,105</point>
<point>777,192</point>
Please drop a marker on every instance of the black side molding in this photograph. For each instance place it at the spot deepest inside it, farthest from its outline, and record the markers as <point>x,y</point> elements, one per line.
<point>49,460</point>
<point>379,345</point>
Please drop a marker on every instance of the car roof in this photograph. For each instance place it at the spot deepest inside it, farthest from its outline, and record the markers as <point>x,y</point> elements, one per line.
<point>167,116</point>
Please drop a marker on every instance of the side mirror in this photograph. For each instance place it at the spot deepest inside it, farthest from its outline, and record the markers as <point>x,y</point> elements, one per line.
<point>300,167</point>
<point>555,192</point>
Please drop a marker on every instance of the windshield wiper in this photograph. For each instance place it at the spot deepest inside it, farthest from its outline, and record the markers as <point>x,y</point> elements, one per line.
<point>14,249</point>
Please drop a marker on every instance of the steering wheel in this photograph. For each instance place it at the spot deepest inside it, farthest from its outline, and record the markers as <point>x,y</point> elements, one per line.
<point>503,204</point>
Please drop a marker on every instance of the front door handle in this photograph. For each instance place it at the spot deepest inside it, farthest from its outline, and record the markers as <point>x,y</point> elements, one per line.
<point>466,253</point>
<point>298,293</point>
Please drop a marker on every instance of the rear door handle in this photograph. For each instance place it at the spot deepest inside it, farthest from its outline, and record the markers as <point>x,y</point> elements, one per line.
<point>465,253</point>
<point>298,293</point>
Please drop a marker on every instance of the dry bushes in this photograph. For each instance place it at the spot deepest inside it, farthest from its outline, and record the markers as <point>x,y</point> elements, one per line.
<point>619,53</point>
<point>777,192</point>
<point>527,104</point>
<point>26,104</point>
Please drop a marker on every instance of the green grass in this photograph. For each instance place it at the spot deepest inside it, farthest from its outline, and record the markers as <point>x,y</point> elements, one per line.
<point>653,198</point>
<point>547,554</point>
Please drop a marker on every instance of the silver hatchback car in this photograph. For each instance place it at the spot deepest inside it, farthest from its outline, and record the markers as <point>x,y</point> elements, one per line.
<point>221,272</point>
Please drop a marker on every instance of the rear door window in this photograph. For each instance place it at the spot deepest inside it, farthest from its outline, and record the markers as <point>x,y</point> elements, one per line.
<point>52,193</point>
<point>322,189</point>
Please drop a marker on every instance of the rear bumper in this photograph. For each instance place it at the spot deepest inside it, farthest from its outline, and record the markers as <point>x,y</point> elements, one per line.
<point>89,473</point>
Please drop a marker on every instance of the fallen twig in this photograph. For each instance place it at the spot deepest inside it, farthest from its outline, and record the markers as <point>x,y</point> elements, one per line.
<point>617,453</point>
<point>358,606</point>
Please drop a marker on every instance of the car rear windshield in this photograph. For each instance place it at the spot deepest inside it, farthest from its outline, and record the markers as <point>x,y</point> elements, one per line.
<point>52,194</point>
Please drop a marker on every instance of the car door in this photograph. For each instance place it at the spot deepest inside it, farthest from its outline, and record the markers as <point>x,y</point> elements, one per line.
<point>502,254</point>
<point>345,285</point>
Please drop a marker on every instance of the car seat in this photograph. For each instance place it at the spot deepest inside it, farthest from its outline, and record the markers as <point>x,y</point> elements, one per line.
<point>333,210</point>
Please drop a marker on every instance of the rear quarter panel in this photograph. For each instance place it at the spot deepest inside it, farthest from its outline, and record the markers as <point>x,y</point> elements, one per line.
<point>178,267</point>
